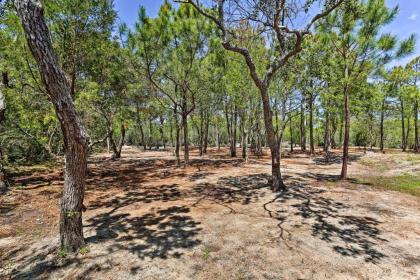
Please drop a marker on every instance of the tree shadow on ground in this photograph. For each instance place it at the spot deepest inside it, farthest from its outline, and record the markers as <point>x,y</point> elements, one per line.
<point>335,159</point>
<point>328,178</point>
<point>160,234</point>
<point>41,262</point>
<point>146,194</point>
<point>228,190</point>
<point>348,235</point>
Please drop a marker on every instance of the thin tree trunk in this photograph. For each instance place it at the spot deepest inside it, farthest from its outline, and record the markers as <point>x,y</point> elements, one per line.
<point>75,137</point>
<point>201,134</point>
<point>206,132</point>
<point>291,134</point>
<point>333,132</point>
<point>346,127</point>
<point>234,129</point>
<point>416,126</point>
<point>382,139</point>
<point>112,142</point>
<point>121,143</point>
<point>162,135</point>
<point>327,132</point>
<point>302,125</point>
<point>311,124</point>
<point>186,141</point>
<point>150,133</point>
<point>3,176</point>
<point>403,143</point>
<point>177,128</point>
<point>218,137</point>
<point>143,140</point>
<point>407,135</point>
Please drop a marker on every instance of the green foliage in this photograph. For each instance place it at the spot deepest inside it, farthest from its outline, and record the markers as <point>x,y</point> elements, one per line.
<point>142,78</point>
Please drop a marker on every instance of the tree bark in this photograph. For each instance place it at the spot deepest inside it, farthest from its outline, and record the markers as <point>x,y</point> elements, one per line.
<point>302,125</point>
<point>178,160</point>
<point>3,176</point>
<point>291,133</point>
<point>346,126</point>
<point>121,143</point>
<point>162,134</point>
<point>201,134</point>
<point>75,137</point>
<point>311,123</point>
<point>403,143</point>
<point>382,129</point>
<point>206,132</point>
<point>416,126</point>
<point>276,179</point>
<point>186,141</point>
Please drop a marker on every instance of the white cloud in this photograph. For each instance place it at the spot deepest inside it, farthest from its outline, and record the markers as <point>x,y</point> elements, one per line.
<point>413,16</point>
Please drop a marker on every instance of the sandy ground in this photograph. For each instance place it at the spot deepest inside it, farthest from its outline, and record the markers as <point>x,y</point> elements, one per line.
<point>217,219</point>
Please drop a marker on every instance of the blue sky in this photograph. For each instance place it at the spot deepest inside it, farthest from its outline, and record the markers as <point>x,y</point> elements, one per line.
<point>407,21</point>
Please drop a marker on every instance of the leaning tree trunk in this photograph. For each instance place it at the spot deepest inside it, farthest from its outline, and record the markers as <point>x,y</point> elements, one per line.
<point>121,143</point>
<point>74,134</point>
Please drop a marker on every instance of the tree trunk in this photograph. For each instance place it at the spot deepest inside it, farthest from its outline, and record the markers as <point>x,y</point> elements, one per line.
<point>218,137</point>
<point>177,128</point>
<point>75,137</point>
<point>201,134</point>
<point>302,125</point>
<point>333,132</point>
<point>150,133</point>
<point>311,124</point>
<point>407,134</point>
<point>206,132</point>
<point>346,128</point>
<point>234,126</point>
<point>403,143</point>
<point>112,142</point>
<point>143,140</point>
<point>244,136</point>
<point>276,179</point>
<point>3,176</point>
<point>416,126</point>
<point>162,135</point>
<point>186,141</point>
<point>291,134</point>
<point>382,124</point>
<point>121,143</point>
<point>327,132</point>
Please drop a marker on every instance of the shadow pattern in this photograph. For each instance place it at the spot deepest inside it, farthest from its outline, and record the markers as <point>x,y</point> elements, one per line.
<point>348,235</point>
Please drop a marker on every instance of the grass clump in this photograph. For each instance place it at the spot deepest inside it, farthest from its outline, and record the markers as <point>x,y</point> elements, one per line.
<point>84,250</point>
<point>408,183</point>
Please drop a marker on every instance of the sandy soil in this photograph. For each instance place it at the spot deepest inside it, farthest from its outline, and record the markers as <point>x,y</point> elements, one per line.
<point>148,219</point>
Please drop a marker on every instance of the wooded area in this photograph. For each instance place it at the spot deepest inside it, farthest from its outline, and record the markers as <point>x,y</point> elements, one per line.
<point>233,106</point>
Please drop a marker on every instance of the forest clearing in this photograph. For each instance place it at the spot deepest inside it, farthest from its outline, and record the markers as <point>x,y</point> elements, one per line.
<point>209,139</point>
<point>218,219</point>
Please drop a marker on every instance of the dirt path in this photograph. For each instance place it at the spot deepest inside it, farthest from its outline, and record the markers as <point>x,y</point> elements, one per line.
<point>147,219</point>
